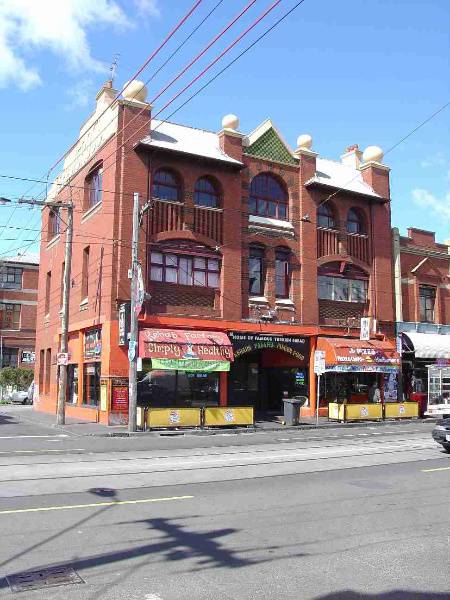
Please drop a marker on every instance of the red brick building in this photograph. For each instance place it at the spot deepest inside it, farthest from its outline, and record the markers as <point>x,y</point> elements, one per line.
<point>422,294</point>
<point>18,300</point>
<point>280,250</point>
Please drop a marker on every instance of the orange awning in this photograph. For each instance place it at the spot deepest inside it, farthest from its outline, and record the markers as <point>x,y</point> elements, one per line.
<point>349,354</point>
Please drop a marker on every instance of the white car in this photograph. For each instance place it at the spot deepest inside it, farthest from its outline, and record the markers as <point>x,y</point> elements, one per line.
<point>20,397</point>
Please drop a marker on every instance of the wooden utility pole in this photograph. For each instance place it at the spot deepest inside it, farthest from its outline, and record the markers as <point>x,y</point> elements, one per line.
<point>135,309</point>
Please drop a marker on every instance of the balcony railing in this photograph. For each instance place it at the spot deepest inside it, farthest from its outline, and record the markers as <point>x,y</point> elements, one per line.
<point>209,222</point>
<point>327,242</point>
<point>358,247</point>
<point>166,216</point>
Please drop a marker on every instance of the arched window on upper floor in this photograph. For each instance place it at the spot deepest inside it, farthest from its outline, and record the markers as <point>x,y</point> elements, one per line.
<point>256,270</point>
<point>268,197</point>
<point>342,282</point>
<point>166,186</point>
<point>94,186</point>
<point>325,216</point>
<point>282,272</point>
<point>355,222</point>
<point>206,193</point>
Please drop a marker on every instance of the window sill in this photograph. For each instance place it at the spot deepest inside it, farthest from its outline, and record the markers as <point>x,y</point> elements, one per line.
<point>270,222</point>
<point>53,241</point>
<point>286,301</point>
<point>84,304</point>
<point>91,211</point>
<point>258,300</point>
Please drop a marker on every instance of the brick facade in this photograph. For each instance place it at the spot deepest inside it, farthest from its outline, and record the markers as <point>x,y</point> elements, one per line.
<point>227,232</point>
<point>18,318</point>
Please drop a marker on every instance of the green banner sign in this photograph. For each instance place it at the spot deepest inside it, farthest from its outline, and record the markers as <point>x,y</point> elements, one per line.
<point>188,364</point>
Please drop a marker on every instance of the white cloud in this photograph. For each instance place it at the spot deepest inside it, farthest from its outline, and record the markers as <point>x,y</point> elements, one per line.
<point>80,95</point>
<point>60,26</point>
<point>147,7</point>
<point>439,206</point>
<point>438,160</point>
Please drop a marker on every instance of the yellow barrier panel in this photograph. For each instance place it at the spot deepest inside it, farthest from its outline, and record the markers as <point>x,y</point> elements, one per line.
<point>359,412</point>
<point>173,417</point>
<point>230,415</point>
<point>401,410</point>
<point>336,411</point>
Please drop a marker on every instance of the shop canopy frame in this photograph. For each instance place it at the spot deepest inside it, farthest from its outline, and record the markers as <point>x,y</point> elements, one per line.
<point>351,355</point>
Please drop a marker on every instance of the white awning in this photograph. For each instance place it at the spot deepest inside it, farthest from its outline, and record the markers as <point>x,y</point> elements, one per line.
<point>429,345</point>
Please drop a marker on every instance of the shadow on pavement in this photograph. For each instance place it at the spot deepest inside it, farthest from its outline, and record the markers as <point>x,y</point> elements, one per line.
<point>393,595</point>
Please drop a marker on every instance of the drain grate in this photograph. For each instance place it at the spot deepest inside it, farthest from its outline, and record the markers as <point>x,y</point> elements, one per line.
<point>44,578</point>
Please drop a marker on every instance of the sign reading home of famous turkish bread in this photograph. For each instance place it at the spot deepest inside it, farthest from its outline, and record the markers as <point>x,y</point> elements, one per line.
<point>243,343</point>
<point>184,344</point>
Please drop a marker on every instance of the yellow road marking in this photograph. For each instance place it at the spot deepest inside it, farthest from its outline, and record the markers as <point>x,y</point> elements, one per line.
<point>42,450</point>
<point>92,505</point>
<point>437,469</point>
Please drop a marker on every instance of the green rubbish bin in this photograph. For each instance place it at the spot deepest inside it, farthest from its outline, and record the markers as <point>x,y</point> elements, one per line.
<point>292,408</point>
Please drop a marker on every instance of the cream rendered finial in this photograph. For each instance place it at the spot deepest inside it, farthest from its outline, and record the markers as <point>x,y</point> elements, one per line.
<point>373,154</point>
<point>304,141</point>
<point>135,91</point>
<point>230,122</point>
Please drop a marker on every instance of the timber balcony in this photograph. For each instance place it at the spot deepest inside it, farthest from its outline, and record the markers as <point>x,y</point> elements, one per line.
<point>331,242</point>
<point>173,216</point>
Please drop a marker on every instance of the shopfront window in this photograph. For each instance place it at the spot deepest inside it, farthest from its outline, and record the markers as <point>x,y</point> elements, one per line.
<point>91,381</point>
<point>72,384</point>
<point>9,357</point>
<point>427,301</point>
<point>166,388</point>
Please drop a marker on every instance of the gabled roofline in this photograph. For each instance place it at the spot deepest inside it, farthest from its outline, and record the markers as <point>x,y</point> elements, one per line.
<point>261,130</point>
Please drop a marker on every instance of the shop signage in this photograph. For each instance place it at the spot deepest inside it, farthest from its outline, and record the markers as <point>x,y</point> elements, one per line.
<point>184,344</point>
<point>93,343</point>
<point>120,398</point>
<point>319,362</point>
<point>243,343</point>
<point>124,323</point>
<point>187,364</point>
<point>364,333</point>
<point>62,358</point>
<point>28,356</point>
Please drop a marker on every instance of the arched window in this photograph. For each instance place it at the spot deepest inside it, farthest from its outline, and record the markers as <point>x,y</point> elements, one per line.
<point>355,222</point>
<point>185,264</point>
<point>282,273</point>
<point>166,186</point>
<point>268,198</point>
<point>206,193</point>
<point>342,282</point>
<point>94,187</point>
<point>54,222</point>
<point>256,270</point>
<point>325,217</point>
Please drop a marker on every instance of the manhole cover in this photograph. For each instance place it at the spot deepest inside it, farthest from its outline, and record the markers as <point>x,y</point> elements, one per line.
<point>44,578</point>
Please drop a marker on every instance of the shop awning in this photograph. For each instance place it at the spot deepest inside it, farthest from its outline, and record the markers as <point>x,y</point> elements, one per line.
<point>183,345</point>
<point>352,355</point>
<point>428,345</point>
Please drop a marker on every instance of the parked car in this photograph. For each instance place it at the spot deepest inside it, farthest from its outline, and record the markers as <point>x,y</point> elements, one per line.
<point>20,397</point>
<point>441,433</point>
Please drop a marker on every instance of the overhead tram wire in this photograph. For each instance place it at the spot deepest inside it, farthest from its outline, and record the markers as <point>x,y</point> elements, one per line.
<point>138,72</point>
<point>182,72</point>
<point>219,73</point>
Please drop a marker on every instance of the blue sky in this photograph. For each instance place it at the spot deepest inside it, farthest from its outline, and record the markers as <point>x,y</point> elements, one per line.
<point>346,72</point>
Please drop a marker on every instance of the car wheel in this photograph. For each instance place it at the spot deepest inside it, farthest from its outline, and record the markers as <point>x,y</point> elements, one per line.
<point>25,401</point>
<point>446,447</point>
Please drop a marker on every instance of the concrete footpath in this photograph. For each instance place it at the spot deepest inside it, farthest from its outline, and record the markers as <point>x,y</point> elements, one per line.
<point>76,427</point>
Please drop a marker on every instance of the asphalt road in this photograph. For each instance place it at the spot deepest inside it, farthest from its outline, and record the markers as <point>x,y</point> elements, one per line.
<point>326,515</point>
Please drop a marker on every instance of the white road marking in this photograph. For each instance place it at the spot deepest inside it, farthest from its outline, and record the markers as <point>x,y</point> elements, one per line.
<point>30,437</point>
<point>42,451</point>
